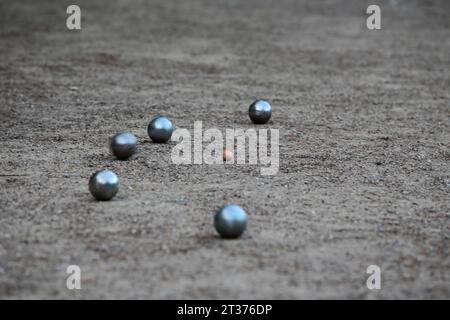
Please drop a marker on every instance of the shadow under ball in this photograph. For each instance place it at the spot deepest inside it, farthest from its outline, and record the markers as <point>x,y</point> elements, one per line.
<point>260,112</point>
<point>123,145</point>
<point>230,221</point>
<point>160,129</point>
<point>104,185</point>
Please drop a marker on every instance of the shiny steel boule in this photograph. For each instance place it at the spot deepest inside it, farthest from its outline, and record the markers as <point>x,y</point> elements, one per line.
<point>260,111</point>
<point>104,185</point>
<point>160,129</point>
<point>123,145</point>
<point>230,221</point>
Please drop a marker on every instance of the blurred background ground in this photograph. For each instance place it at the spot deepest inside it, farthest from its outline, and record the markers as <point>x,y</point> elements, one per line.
<point>364,172</point>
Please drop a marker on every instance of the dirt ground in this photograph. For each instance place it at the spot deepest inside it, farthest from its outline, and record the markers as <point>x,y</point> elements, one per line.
<point>364,177</point>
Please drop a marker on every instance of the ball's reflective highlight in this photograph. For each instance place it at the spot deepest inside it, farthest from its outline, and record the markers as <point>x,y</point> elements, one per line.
<point>104,185</point>
<point>230,221</point>
<point>123,145</point>
<point>260,112</point>
<point>160,129</point>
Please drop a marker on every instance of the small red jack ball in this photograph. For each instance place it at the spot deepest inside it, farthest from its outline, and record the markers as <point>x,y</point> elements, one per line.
<point>227,155</point>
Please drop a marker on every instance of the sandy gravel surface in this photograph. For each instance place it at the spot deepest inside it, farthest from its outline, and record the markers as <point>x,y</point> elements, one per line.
<point>364,177</point>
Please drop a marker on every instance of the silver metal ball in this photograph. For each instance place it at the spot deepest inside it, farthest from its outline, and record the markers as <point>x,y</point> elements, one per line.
<point>123,145</point>
<point>260,111</point>
<point>160,129</point>
<point>230,221</point>
<point>104,185</point>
